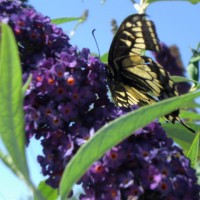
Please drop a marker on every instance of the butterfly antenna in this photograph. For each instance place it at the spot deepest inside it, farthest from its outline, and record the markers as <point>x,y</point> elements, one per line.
<point>190,129</point>
<point>96,41</point>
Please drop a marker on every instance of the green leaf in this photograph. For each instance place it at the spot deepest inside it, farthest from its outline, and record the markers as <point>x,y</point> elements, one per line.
<point>194,151</point>
<point>104,58</point>
<point>198,172</point>
<point>193,70</point>
<point>11,100</point>
<point>193,104</point>
<point>65,20</point>
<point>26,85</point>
<point>190,115</point>
<point>47,191</point>
<point>193,67</point>
<point>11,104</point>
<point>114,132</point>
<point>194,1</point>
<point>196,58</point>
<point>7,160</point>
<point>180,79</point>
<point>181,135</point>
<point>152,1</point>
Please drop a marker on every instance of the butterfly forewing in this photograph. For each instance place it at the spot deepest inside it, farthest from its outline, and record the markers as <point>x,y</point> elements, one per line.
<point>134,35</point>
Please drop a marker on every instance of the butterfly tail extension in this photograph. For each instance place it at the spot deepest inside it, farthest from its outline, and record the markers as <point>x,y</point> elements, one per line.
<point>174,116</point>
<point>181,122</point>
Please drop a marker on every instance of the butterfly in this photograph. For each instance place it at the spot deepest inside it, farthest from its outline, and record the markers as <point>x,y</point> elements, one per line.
<point>132,77</point>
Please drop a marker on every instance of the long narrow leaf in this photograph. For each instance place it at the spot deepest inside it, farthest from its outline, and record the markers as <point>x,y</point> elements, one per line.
<point>65,20</point>
<point>194,150</point>
<point>11,100</point>
<point>181,135</point>
<point>26,85</point>
<point>47,192</point>
<point>190,115</point>
<point>114,132</point>
<point>104,58</point>
<point>11,104</point>
<point>180,79</point>
<point>7,160</point>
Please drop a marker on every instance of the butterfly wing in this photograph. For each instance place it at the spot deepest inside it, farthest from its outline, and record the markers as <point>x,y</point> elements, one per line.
<point>134,35</point>
<point>124,95</point>
<point>148,76</point>
<point>141,81</point>
<point>137,79</point>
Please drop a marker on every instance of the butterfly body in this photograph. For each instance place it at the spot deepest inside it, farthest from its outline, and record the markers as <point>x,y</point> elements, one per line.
<point>134,78</point>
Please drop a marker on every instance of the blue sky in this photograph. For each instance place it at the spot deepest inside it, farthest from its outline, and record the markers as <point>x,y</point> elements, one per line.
<point>176,23</point>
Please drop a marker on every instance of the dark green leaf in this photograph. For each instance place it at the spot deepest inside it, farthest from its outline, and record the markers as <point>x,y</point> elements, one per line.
<point>65,20</point>
<point>114,132</point>
<point>194,150</point>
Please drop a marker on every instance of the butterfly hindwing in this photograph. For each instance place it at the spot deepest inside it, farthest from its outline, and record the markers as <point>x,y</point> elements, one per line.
<point>144,79</point>
<point>125,95</point>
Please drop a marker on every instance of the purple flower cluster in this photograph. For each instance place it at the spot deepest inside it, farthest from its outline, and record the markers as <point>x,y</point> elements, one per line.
<point>67,102</point>
<point>145,166</point>
<point>169,58</point>
<point>67,99</point>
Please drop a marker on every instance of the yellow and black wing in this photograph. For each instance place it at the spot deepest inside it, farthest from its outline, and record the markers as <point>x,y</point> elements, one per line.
<point>141,81</point>
<point>133,36</point>
<point>133,78</point>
